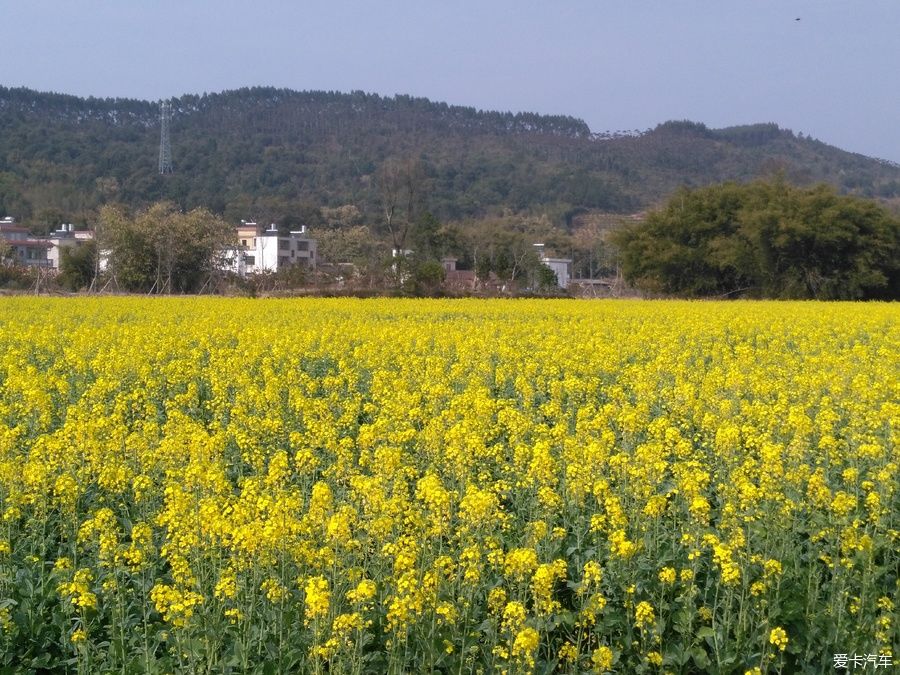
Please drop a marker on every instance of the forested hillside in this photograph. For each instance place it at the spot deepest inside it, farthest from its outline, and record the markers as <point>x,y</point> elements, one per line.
<point>270,153</point>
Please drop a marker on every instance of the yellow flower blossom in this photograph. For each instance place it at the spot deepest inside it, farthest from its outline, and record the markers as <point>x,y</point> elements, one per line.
<point>779,638</point>
<point>602,659</point>
<point>644,615</point>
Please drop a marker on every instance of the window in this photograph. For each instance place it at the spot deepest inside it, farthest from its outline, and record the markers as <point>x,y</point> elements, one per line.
<point>249,260</point>
<point>283,244</point>
<point>302,245</point>
<point>244,243</point>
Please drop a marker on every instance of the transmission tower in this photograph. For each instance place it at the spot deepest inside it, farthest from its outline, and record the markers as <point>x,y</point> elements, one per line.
<point>165,143</point>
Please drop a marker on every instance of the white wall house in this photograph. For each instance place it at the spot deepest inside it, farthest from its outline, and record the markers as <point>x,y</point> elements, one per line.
<point>268,250</point>
<point>42,251</point>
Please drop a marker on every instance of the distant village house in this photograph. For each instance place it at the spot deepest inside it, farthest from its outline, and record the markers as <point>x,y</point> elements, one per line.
<point>457,279</point>
<point>269,250</point>
<point>46,252</point>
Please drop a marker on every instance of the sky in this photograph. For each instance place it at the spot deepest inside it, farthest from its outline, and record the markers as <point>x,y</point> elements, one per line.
<point>617,64</point>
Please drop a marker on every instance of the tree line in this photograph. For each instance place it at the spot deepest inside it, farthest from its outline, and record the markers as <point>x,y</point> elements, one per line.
<point>162,249</point>
<point>763,239</point>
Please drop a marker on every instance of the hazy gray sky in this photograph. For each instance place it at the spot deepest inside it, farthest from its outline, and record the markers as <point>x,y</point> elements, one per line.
<point>618,64</point>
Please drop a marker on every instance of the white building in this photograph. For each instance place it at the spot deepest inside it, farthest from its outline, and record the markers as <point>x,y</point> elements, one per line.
<point>562,267</point>
<point>268,250</point>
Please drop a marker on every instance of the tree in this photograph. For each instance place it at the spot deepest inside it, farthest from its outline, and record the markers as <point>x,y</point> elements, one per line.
<point>48,219</point>
<point>162,250</point>
<point>424,278</point>
<point>595,256</point>
<point>815,243</point>
<point>401,185</point>
<point>130,255</point>
<point>12,198</point>
<point>76,265</point>
<point>765,239</point>
<point>545,278</point>
<point>505,245</point>
<point>672,252</point>
<point>353,244</point>
<point>340,217</point>
<point>432,239</point>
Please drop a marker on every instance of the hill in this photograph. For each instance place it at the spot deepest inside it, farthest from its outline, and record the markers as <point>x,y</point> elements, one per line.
<point>268,153</point>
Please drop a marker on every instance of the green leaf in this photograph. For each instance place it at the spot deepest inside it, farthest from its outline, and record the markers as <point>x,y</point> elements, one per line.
<point>700,657</point>
<point>705,632</point>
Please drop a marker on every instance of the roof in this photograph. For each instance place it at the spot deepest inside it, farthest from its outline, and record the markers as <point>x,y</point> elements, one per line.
<point>460,275</point>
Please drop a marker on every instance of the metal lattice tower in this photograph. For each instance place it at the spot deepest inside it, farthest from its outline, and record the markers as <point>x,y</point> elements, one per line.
<point>165,143</point>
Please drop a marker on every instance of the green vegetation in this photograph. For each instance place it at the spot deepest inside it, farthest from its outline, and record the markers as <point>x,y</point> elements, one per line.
<point>765,239</point>
<point>276,155</point>
<point>162,250</point>
<point>78,266</point>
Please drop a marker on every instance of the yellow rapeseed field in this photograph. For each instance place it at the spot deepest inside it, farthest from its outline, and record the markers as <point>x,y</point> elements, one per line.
<point>455,486</point>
